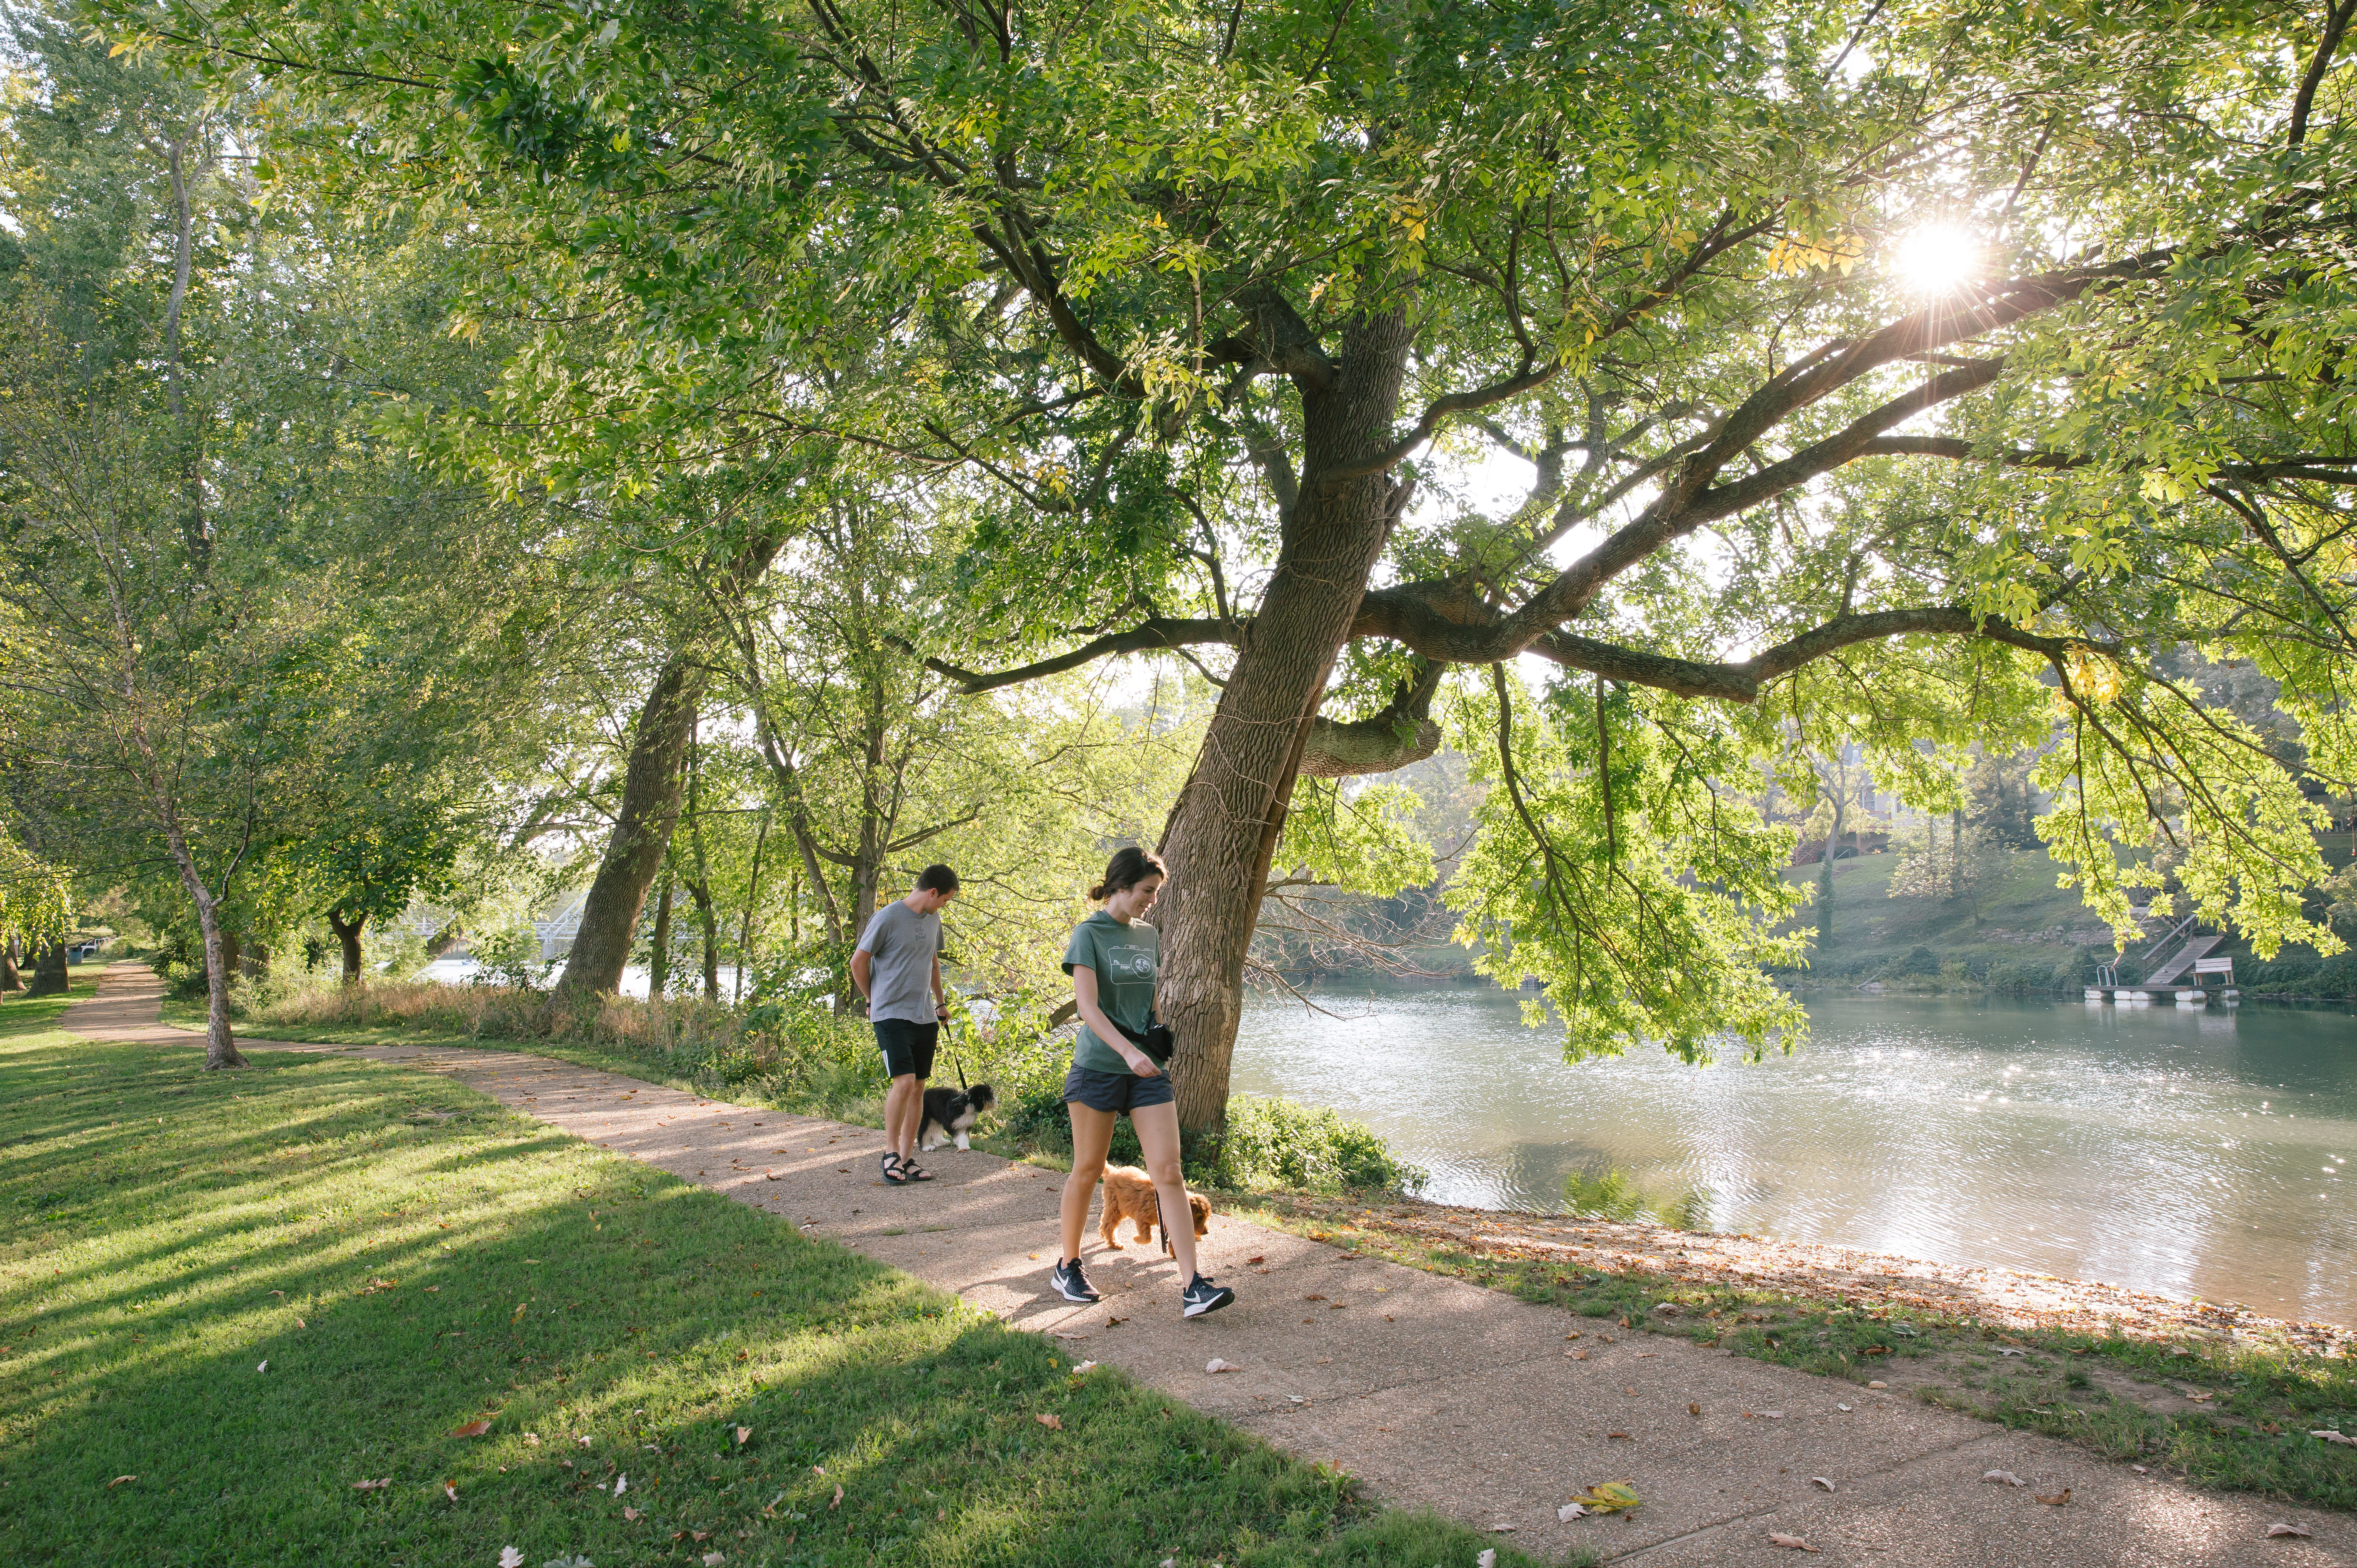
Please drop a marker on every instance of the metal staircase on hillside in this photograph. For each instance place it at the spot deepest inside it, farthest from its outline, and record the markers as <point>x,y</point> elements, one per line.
<point>2194,949</point>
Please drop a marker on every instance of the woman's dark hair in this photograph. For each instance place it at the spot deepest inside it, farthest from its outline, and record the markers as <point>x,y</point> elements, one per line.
<point>1128,868</point>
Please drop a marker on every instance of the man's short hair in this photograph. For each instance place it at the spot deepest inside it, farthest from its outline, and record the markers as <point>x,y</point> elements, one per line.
<point>937,878</point>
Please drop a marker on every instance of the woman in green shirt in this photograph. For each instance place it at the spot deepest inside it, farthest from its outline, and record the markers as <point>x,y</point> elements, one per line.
<point>1113,959</point>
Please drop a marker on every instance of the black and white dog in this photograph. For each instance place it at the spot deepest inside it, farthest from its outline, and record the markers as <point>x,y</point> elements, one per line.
<point>950,1114</point>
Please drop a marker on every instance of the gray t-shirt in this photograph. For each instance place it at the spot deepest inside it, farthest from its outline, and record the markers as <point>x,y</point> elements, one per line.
<point>901,945</point>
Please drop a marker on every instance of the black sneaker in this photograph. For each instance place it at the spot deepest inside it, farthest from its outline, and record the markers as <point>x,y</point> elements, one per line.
<point>1072,1284</point>
<point>1201,1296</point>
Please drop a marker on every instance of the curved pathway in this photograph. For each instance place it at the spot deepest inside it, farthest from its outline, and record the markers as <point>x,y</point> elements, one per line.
<point>1437,1392</point>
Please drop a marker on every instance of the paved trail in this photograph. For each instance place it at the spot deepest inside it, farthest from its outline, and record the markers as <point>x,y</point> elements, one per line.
<point>1437,1392</point>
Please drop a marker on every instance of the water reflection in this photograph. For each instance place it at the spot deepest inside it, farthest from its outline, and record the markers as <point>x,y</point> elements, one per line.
<point>2197,1151</point>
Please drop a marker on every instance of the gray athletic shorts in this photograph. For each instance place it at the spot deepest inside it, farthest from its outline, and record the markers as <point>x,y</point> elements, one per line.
<point>1116,1091</point>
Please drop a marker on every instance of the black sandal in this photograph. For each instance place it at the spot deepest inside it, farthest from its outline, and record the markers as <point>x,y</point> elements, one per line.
<point>911,1171</point>
<point>895,1170</point>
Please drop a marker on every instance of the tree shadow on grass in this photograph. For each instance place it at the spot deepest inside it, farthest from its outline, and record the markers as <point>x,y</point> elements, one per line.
<point>249,1352</point>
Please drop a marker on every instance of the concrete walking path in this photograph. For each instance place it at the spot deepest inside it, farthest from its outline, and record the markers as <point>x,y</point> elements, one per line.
<point>1437,1393</point>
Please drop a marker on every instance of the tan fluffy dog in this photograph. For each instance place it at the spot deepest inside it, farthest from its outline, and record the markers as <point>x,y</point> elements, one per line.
<point>1129,1195</point>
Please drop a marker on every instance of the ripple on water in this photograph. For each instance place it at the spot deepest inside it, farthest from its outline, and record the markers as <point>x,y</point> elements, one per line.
<point>2194,1153</point>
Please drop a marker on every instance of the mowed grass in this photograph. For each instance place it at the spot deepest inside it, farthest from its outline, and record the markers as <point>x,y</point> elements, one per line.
<point>227,1299</point>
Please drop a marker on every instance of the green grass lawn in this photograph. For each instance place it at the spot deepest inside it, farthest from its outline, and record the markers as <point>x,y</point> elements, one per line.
<point>228,1299</point>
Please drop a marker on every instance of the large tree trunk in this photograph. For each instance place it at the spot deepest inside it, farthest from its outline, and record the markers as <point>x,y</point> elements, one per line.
<point>51,976</point>
<point>642,828</point>
<point>9,978</point>
<point>1224,830</point>
<point>349,936</point>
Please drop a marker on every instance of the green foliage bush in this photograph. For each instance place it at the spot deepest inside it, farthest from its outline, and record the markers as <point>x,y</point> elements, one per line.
<point>1282,1143</point>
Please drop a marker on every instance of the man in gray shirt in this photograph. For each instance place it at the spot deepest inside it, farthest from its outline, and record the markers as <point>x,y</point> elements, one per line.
<point>897,967</point>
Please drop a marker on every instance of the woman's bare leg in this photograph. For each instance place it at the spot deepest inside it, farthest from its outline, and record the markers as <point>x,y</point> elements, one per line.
<point>1092,1136</point>
<point>1158,1139</point>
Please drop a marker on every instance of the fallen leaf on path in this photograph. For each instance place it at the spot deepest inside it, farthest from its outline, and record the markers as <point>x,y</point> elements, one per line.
<point>1489,1559</point>
<point>2003,1350</point>
<point>2055,1499</point>
<point>1216,1365</point>
<point>2006,1477</point>
<point>2201,1398</point>
<point>584,1440</point>
<point>1259,1259</point>
<point>263,1367</point>
<point>1693,1410</point>
<point>744,1435</point>
<point>1765,1415</point>
<point>2140,1469</point>
<point>1820,1481</point>
<point>1084,1369</point>
<point>1568,1513</point>
<point>510,1558</point>
<point>371,1485</point>
<point>714,1559</point>
<point>633,1515</point>
<point>450,1490</point>
<point>1115,1322</point>
<point>1877,1385</point>
<point>1054,1424</point>
<point>1841,1407</point>
<point>1313,1297</point>
<point>120,1479</point>
<point>621,1485</point>
<point>1609,1496</point>
<point>2342,1438</point>
<point>472,1429</point>
<point>838,1499</point>
<point>531,1439</point>
<point>2276,1530</point>
<point>1793,1541</point>
<point>1624,1436</point>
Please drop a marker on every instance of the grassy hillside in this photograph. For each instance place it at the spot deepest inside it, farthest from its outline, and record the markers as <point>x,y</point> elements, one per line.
<point>2018,932</point>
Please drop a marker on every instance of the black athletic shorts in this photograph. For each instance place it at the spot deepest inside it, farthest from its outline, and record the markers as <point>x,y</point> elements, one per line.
<point>1116,1091</point>
<point>907,1047</point>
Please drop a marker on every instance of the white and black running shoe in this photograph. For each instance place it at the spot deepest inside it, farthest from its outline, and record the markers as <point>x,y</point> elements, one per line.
<point>1201,1296</point>
<point>1072,1284</point>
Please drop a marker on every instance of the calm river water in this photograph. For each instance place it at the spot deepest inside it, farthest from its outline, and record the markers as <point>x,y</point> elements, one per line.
<point>2195,1153</point>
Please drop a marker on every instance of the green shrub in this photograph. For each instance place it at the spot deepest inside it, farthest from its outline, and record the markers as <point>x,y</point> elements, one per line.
<point>1918,961</point>
<point>1282,1143</point>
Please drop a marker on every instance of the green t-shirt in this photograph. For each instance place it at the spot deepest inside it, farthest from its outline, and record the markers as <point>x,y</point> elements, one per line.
<point>1124,958</point>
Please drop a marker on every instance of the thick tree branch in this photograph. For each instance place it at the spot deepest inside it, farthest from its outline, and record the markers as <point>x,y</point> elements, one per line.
<point>1404,732</point>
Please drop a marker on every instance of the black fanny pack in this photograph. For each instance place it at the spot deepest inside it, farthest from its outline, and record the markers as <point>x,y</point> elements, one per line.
<point>1158,1041</point>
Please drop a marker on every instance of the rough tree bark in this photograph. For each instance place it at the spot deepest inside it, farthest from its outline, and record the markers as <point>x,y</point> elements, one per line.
<point>1223,829</point>
<point>651,787</point>
<point>348,934</point>
<point>9,978</point>
<point>50,977</point>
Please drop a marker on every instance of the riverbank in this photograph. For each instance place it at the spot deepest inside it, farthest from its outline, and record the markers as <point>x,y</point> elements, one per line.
<point>2212,1391</point>
<point>1440,1393</point>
